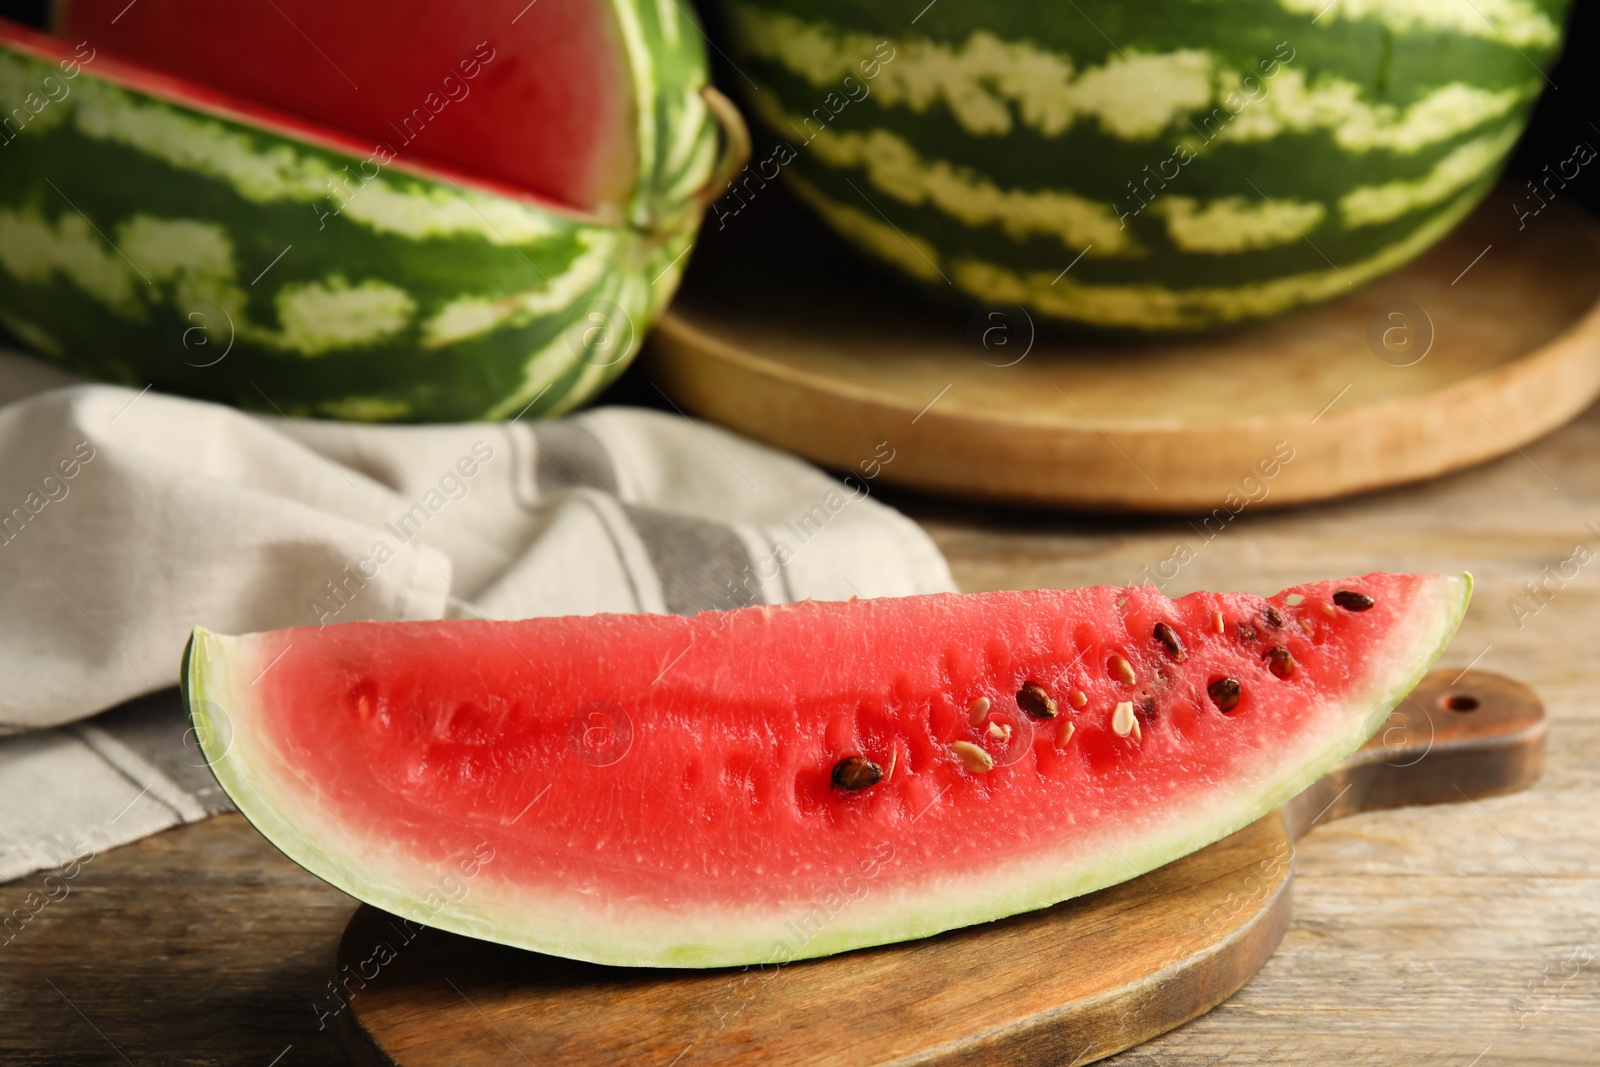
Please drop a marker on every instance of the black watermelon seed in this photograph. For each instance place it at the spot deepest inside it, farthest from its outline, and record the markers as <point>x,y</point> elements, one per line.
<point>1224,693</point>
<point>856,773</point>
<point>1279,662</point>
<point>1247,631</point>
<point>1352,601</point>
<point>1035,702</point>
<point>1168,638</point>
<point>1272,615</point>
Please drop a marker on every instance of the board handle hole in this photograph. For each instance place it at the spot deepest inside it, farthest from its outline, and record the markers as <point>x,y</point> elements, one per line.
<point>1462,702</point>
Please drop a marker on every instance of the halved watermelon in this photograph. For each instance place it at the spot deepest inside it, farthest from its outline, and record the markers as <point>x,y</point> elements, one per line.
<point>769,784</point>
<point>410,211</point>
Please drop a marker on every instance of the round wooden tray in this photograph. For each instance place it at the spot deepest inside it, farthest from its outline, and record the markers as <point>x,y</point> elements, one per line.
<point>1488,341</point>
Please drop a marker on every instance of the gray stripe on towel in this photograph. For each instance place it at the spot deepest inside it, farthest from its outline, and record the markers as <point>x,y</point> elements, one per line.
<point>156,729</point>
<point>702,565</point>
<point>567,455</point>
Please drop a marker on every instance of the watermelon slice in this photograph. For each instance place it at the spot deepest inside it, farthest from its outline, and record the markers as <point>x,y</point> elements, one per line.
<point>775,783</point>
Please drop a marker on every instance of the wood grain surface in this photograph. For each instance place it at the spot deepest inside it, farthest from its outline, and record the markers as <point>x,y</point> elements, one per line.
<point>1074,983</point>
<point>1488,341</point>
<point>1459,935</point>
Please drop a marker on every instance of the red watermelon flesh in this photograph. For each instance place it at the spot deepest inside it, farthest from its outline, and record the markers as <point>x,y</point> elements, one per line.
<point>539,97</point>
<point>671,791</point>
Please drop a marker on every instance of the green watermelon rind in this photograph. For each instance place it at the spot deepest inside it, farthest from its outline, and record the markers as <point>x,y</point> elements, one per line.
<point>469,301</point>
<point>213,681</point>
<point>982,152</point>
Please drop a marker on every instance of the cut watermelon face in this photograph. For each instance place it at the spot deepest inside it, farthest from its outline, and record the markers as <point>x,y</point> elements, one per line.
<point>537,96</point>
<point>769,784</point>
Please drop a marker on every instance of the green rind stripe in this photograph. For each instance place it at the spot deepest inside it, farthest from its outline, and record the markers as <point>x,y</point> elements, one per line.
<point>991,88</point>
<point>1157,247</point>
<point>1311,163</point>
<point>264,167</point>
<point>1519,23</point>
<point>1232,28</point>
<point>1146,306</point>
<point>677,136</point>
<point>1135,303</point>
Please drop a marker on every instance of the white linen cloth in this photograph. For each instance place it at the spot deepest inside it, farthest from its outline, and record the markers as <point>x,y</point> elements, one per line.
<point>128,518</point>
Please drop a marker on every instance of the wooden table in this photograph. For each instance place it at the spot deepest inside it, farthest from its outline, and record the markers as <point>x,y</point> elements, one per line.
<point>1459,936</point>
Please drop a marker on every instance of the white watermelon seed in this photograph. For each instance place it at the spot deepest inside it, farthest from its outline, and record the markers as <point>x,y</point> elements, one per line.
<point>1000,730</point>
<point>1123,721</point>
<point>1121,670</point>
<point>1078,698</point>
<point>977,710</point>
<point>1216,621</point>
<point>973,758</point>
<point>1065,734</point>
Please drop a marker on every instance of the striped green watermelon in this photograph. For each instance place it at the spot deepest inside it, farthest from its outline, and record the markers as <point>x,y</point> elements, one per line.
<point>289,251</point>
<point>1155,166</point>
<point>776,783</point>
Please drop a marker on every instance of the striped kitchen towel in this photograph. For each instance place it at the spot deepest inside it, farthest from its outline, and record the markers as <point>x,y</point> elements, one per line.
<point>128,517</point>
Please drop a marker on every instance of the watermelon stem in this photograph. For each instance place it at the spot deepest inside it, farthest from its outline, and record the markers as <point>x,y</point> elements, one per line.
<point>735,145</point>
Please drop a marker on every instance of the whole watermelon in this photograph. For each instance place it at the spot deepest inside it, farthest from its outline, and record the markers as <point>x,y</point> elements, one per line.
<point>156,229</point>
<point>1167,165</point>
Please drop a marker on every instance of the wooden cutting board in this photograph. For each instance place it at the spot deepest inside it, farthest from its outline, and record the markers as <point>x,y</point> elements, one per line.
<point>1068,985</point>
<point>1486,342</point>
